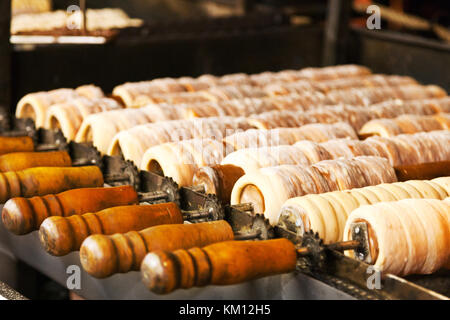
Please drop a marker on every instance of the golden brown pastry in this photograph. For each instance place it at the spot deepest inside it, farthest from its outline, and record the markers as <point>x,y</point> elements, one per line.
<point>355,115</point>
<point>256,158</point>
<point>406,124</point>
<point>101,128</point>
<point>133,143</point>
<point>269,188</point>
<point>327,213</point>
<point>180,160</point>
<point>69,115</point>
<point>317,132</point>
<point>333,72</point>
<point>407,149</point>
<point>412,236</point>
<point>377,80</point>
<point>35,105</point>
<point>444,182</point>
<point>369,96</point>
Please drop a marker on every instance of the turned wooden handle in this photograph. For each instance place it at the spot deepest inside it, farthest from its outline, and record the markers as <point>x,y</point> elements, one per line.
<point>23,160</point>
<point>62,235</point>
<point>424,171</point>
<point>103,256</point>
<point>46,180</point>
<point>218,180</point>
<point>222,263</point>
<point>24,215</point>
<point>16,144</point>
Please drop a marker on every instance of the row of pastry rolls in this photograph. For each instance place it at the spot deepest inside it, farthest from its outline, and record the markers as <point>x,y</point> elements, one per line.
<point>370,95</point>
<point>310,74</point>
<point>405,149</point>
<point>410,236</point>
<point>235,108</point>
<point>302,153</point>
<point>180,160</point>
<point>305,101</point>
<point>130,92</point>
<point>68,116</point>
<point>316,132</point>
<point>213,94</point>
<point>133,143</point>
<point>102,127</point>
<point>268,188</point>
<point>310,100</point>
<point>362,96</point>
<point>409,149</point>
<point>406,124</point>
<point>35,105</point>
<point>401,150</point>
<point>353,115</point>
<point>241,90</point>
<point>417,149</point>
<point>376,80</point>
<point>327,213</point>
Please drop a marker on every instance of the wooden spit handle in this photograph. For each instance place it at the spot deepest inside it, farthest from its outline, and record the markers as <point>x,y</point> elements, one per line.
<point>222,263</point>
<point>24,215</point>
<point>47,180</point>
<point>424,171</point>
<point>24,160</point>
<point>16,144</point>
<point>218,180</point>
<point>62,235</point>
<point>103,256</point>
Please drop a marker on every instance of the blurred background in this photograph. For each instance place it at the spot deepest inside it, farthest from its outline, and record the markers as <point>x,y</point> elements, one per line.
<point>172,38</point>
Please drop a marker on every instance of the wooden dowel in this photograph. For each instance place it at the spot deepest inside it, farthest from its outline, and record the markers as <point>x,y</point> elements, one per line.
<point>222,263</point>
<point>103,256</point>
<point>16,144</point>
<point>47,180</point>
<point>23,160</point>
<point>62,235</point>
<point>24,215</point>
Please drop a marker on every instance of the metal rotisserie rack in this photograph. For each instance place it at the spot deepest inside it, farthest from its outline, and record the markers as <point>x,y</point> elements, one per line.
<point>135,233</point>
